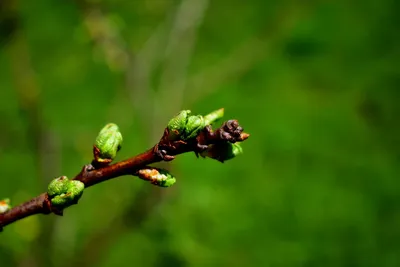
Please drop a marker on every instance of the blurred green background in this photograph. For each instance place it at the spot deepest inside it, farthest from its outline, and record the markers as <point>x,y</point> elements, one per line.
<point>315,83</point>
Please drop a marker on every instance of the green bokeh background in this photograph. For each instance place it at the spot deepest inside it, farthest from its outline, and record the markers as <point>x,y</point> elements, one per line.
<point>315,83</point>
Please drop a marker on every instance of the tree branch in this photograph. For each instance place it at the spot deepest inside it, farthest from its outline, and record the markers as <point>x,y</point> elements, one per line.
<point>164,150</point>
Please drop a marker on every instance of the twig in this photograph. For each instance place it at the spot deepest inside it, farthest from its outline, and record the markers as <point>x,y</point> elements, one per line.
<point>41,142</point>
<point>165,150</point>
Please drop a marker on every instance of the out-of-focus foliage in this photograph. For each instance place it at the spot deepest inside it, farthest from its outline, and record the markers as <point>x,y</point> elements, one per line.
<point>315,83</point>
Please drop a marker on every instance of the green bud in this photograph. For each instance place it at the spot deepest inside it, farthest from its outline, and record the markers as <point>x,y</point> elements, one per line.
<point>61,201</point>
<point>75,188</point>
<point>176,126</point>
<point>156,176</point>
<point>4,205</point>
<point>64,192</point>
<point>213,116</point>
<point>185,126</point>
<point>58,186</point>
<point>234,150</point>
<point>194,125</point>
<point>108,143</point>
<point>223,151</point>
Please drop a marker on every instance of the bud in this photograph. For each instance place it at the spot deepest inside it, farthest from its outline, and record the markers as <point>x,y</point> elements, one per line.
<point>108,143</point>
<point>214,116</point>
<point>223,151</point>
<point>4,205</point>
<point>194,125</point>
<point>185,126</point>
<point>75,188</point>
<point>64,192</point>
<point>58,186</point>
<point>156,176</point>
<point>176,126</point>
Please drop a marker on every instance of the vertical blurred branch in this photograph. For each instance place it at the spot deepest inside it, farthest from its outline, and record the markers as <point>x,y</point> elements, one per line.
<point>175,56</point>
<point>139,74</point>
<point>27,92</point>
<point>178,53</point>
<point>41,141</point>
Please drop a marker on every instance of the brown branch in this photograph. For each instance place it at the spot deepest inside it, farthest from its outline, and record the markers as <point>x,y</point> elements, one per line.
<point>165,150</point>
